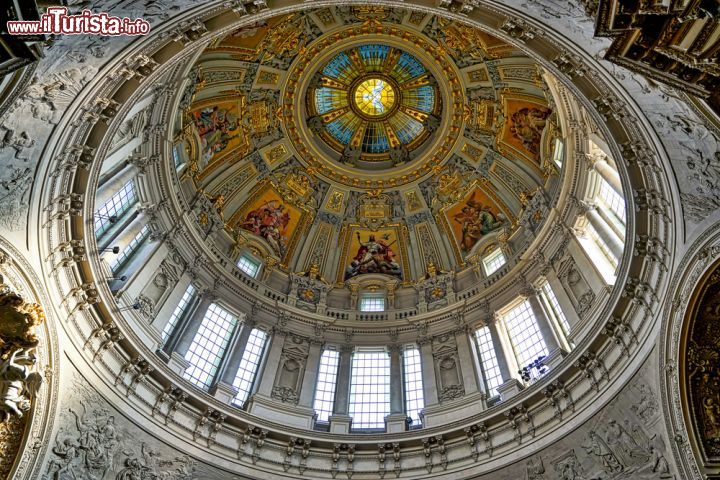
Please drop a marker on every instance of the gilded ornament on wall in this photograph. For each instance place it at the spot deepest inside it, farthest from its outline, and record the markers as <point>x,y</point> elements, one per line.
<point>19,379</point>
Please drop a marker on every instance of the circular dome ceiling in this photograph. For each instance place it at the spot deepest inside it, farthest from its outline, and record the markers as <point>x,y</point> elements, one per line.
<point>373,102</point>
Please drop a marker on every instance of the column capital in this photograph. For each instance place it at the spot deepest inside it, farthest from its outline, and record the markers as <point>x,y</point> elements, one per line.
<point>394,348</point>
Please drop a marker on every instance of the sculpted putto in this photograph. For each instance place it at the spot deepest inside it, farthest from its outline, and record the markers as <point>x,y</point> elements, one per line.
<point>18,382</point>
<point>18,385</point>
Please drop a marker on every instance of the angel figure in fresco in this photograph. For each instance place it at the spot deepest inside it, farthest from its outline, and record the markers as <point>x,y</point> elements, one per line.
<point>214,125</point>
<point>527,125</point>
<point>374,256</point>
<point>269,221</point>
<point>475,220</point>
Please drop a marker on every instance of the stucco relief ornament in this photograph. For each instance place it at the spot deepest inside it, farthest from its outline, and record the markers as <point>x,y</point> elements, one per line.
<point>18,382</point>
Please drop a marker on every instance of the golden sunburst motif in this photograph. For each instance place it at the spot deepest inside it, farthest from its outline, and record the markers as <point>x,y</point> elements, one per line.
<point>374,97</point>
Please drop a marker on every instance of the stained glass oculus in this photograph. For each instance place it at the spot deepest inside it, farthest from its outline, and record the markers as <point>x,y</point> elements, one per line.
<point>374,99</point>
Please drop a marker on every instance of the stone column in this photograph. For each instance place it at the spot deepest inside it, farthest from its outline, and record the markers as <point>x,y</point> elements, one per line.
<point>511,386</point>
<point>606,233</point>
<point>179,342</point>
<point>312,368</point>
<point>563,299</point>
<point>501,352</point>
<point>222,387</point>
<point>395,422</point>
<point>430,392</point>
<point>467,362</point>
<point>544,325</point>
<point>603,168</point>
<point>170,304</point>
<point>340,420</point>
<point>270,366</point>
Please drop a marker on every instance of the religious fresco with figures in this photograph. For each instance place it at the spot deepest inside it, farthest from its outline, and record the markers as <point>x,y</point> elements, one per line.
<point>525,121</point>
<point>269,216</point>
<point>373,251</point>
<point>218,125</point>
<point>481,214</point>
<point>475,216</point>
<point>396,136</point>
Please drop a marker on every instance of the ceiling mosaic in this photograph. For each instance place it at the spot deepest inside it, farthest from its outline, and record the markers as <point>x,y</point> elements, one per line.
<point>319,136</point>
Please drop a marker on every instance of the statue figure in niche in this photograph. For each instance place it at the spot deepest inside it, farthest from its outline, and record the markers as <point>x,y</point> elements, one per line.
<point>527,125</point>
<point>475,220</point>
<point>269,221</point>
<point>374,256</point>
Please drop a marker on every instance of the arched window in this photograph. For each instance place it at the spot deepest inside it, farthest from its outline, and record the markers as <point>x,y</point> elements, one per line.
<point>412,376</point>
<point>249,265</point>
<point>180,311</point>
<point>247,372</point>
<point>494,261</point>
<point>132,247</point>
<point>370,389</point>
<point>525,336</point>
<point>325,388</point>
<point>114,208</point>
<point>209,345</point>
<point>488,359</point>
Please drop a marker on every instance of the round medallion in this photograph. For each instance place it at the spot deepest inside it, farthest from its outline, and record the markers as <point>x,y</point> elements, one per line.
<point>371,103</point>
<point>374,97</point>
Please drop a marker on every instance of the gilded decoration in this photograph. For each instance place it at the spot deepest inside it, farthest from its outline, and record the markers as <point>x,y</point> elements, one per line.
<point>270,216</point>
<point>473,217</point>
<point>19,382</point>
<point>342,125</point>
<point>373,102</point>
<point>702,377</point>
<point>366,250</point>
<point>219,129</point>
<point>525,119</point>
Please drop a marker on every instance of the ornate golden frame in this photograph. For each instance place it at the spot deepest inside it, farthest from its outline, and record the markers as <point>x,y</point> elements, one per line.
<point>349,230</point>
<point>303,225</point>
<point>441,218</point>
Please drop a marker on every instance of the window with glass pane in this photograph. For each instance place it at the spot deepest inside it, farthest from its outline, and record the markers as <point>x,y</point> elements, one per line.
<point>114,207</point>
<point>600,243</point>
<point>176,156</point>
<point>249,265</point>
<point>131,248</point>
<point>372,303</point>
<point>525,335</point>
<point>414,401</point>
<point>179,312</point>
<point>325,388</point>
<point>370,389</point>
<point>249,364</point>
<point>558,154</point>
<point>553,305</point>
<point>209,345</point>
<point>613,201</point>
<point>494,261</point>
<point>488,358</point>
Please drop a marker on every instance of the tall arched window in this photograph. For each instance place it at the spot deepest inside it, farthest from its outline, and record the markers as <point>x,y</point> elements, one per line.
<point>209,345</point>
<point>488,360</point>
<point>180,311</point>
<point>413,382</point>
<point>325,388</point>
<point>370,389</point>
<point>524,332</point>
<point>249,364</point>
